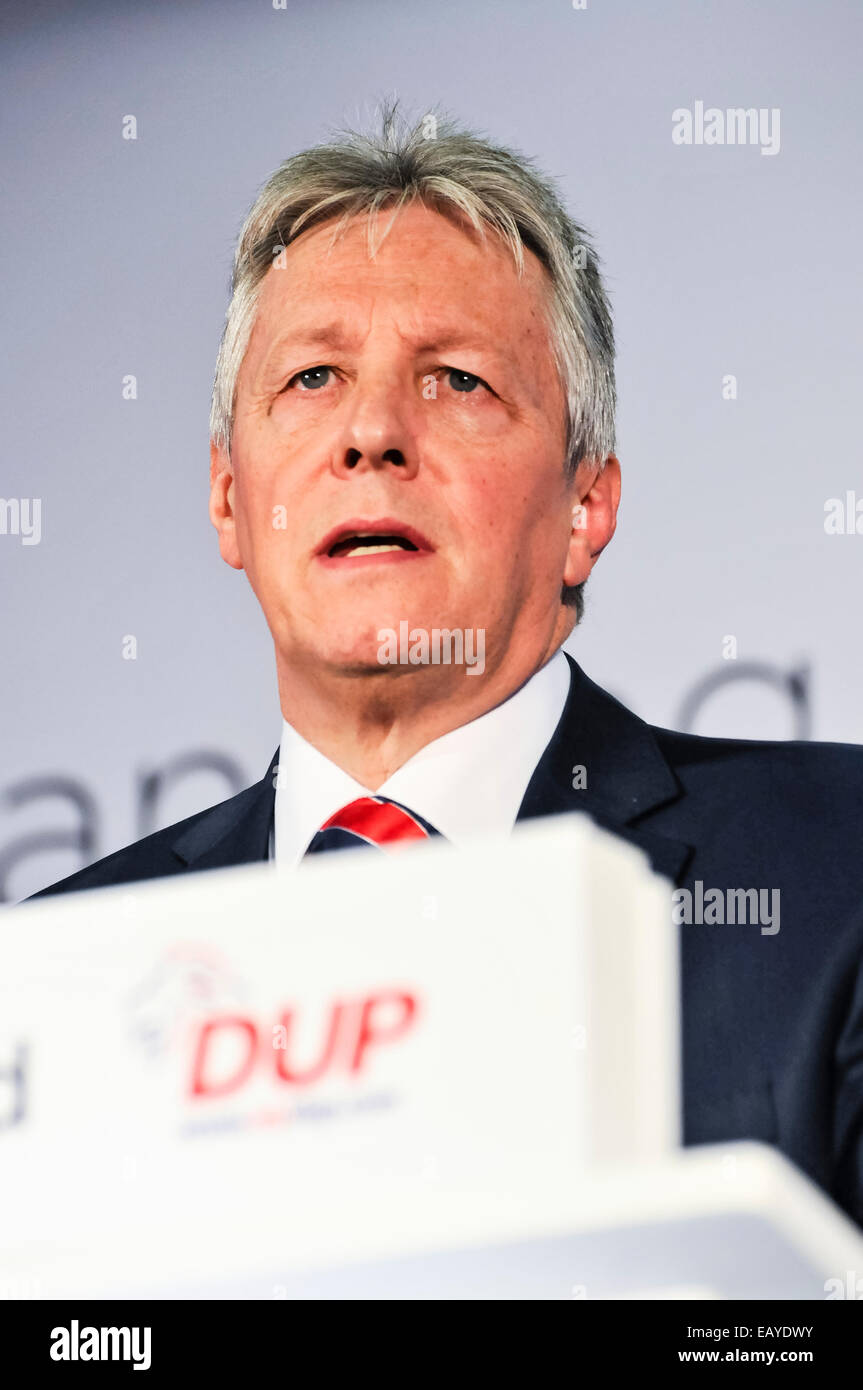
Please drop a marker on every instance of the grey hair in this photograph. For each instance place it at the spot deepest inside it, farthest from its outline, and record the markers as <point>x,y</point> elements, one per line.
<point>461,175</point>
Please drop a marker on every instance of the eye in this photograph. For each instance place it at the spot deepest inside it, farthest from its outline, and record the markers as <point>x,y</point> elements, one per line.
<point>313,378</point>
<point>463,381</point>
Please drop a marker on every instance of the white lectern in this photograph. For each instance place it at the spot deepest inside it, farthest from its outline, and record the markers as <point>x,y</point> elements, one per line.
<point>435,1073</point>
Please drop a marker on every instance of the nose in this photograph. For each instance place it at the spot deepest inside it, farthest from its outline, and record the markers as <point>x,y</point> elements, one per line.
<point>378,433</point>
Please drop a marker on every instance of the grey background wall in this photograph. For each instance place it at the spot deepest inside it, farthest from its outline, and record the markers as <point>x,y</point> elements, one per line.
<point>720,260</point>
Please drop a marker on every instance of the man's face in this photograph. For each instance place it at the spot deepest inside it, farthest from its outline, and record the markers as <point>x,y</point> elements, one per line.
<point>398,449</point>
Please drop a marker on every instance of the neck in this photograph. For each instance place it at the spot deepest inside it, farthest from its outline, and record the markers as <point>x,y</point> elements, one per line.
<point>369,722</point>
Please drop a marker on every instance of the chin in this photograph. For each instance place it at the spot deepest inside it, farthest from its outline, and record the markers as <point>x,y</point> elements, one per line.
<point>353,647</point>
<point>361,663</point>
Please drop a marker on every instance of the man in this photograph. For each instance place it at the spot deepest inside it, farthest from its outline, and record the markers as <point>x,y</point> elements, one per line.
<point>413,434</point>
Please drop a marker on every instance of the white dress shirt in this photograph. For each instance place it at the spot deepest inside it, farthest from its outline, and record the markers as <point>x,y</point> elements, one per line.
<point>467,782</point>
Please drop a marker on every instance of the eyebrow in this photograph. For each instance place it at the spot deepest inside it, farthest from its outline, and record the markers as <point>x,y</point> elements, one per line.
<point>326,335</point>
<point>332,336</point>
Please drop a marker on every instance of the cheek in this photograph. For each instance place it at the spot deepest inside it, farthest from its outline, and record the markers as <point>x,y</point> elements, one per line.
<point>510,504</point>
<point>521,530</point>
<point>480,513</point>
<point>263,516</point>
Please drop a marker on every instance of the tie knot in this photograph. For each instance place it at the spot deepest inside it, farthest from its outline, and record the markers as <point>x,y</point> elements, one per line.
<point>371,821</point>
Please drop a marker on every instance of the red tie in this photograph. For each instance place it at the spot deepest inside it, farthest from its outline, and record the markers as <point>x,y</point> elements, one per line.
<point>371,820</point>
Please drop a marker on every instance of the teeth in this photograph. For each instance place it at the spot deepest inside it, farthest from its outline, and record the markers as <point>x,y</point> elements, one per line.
<point>372,549</point>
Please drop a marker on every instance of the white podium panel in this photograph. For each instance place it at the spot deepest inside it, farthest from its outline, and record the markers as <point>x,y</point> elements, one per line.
<point>250,1072</point>
<point>732,1221</point>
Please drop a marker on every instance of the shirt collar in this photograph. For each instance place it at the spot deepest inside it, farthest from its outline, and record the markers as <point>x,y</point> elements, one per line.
<point>469,781</point>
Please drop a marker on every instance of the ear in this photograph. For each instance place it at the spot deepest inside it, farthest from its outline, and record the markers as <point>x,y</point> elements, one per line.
<point>595,499</point>
<point>222,505</point>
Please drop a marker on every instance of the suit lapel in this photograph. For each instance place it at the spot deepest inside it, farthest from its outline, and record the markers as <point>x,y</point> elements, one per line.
<point>235,832</point>
<point>625,773</point>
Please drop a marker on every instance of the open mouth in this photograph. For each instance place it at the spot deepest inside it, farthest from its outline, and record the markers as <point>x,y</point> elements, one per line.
<point>362,538</point>
<point>369,545</point>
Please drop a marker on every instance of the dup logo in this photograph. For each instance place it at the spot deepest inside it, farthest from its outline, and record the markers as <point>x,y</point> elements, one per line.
<point>191,1018</point>
<point>231,1049</point>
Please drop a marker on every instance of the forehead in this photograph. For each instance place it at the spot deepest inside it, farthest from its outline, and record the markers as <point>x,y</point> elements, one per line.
<point>428,269</point>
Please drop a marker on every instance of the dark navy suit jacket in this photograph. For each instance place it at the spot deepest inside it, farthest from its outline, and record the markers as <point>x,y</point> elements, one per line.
<point>772,1024</point>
